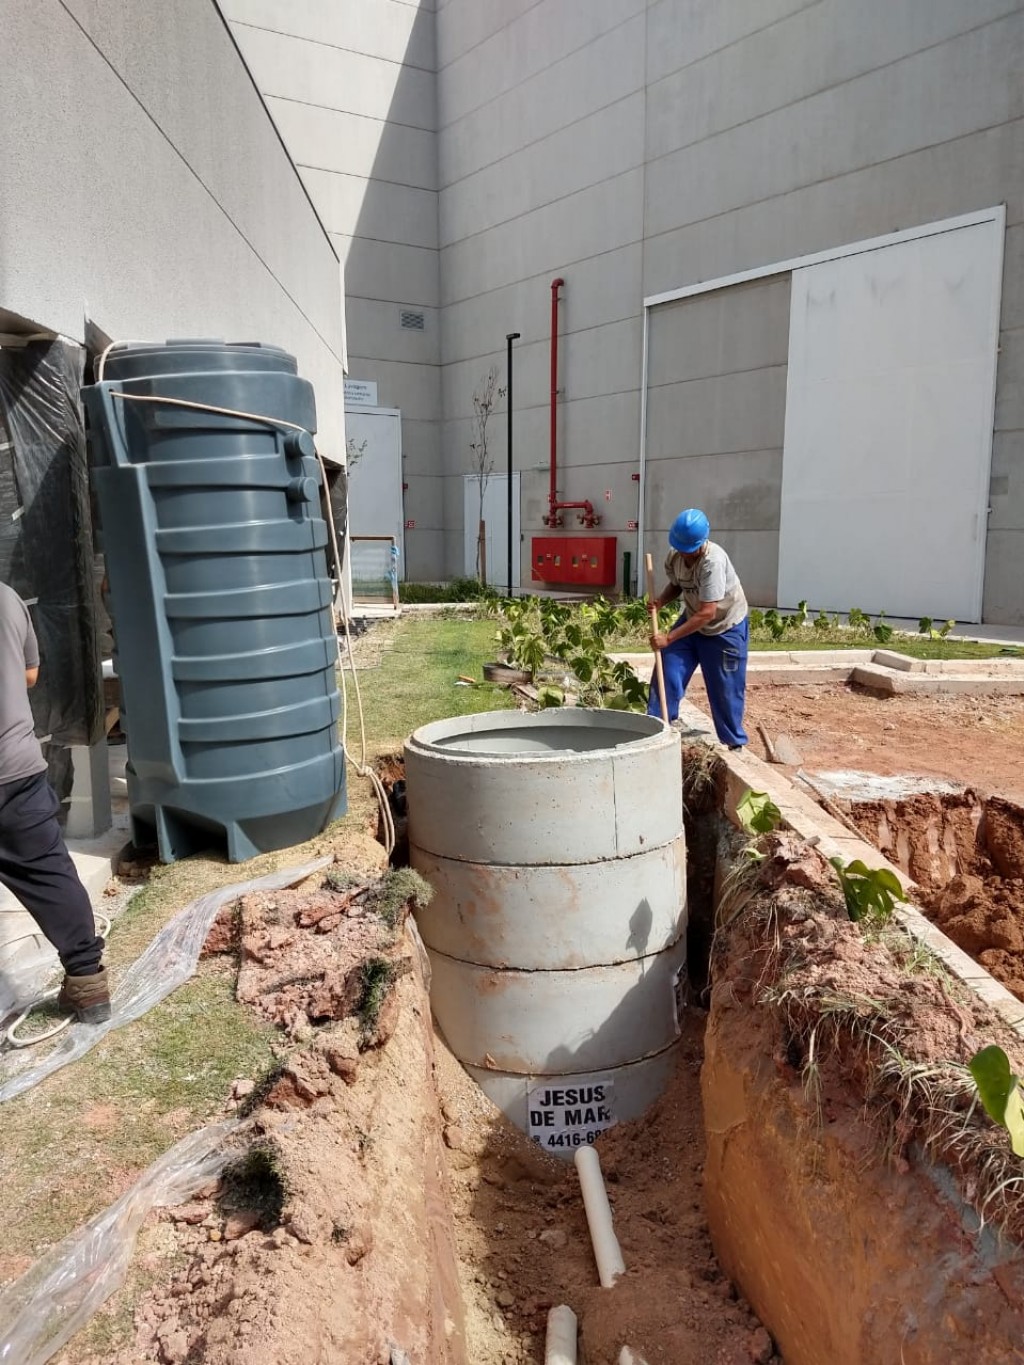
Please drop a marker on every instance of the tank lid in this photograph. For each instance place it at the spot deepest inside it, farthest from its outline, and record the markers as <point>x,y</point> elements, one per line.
<point>196,355</point>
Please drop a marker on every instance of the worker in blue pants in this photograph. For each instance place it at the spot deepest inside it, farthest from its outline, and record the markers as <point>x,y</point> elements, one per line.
<point>712,633</point>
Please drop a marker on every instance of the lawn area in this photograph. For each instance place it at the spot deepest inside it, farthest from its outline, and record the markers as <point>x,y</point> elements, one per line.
<point>415,680</point>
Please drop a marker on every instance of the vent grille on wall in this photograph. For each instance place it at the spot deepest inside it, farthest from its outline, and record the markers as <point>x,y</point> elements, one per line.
<point>411,321</point>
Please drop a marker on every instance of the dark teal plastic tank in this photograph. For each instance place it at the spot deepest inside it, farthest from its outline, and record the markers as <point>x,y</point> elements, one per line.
<point>216,557</point>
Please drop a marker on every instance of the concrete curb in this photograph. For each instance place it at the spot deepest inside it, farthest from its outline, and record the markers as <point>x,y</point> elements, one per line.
<point>801,813</point>
<point>882,670</point>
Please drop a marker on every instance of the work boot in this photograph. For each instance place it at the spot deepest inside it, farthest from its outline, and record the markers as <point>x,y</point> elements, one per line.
<point>87,997</point>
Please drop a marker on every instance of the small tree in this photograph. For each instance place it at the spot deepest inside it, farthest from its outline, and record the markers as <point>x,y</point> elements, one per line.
<point>485,395</point>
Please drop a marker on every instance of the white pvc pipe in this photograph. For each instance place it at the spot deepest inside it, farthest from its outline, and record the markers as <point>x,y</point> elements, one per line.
<point>607,1252</point>
<point>627,1356</point>
<point>560,1345</point>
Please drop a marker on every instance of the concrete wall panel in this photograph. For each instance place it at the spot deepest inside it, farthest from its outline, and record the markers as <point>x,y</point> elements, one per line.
<point>809,51</point>
<point>602,289</point>
<point>393,213</point>
<point>598,219</point>
<point>935,96</point>
<point>562,94</point>
<point>529,55</point>
<point>938,182</point>
<point>599,147</point>
<point>377,333</point>
<point>390,270</point>
<point>334,140</point>
<point>316,73</point>
<point>1004,573</point>
<point>683,32</point>
<point>393,30</point>
<point>731,413</point>
<point>740,492</point>
<point>1006,495</point>
<point>157,229</point>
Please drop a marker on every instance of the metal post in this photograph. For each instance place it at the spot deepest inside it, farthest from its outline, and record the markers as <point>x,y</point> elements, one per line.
<point>509,338</point>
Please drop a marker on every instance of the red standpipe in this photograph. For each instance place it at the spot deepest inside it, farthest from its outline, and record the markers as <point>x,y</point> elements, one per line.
<point>589,518</point>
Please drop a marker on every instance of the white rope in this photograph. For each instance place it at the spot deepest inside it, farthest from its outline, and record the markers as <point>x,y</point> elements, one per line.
<point>10,1033</point>
<point>361,765</point>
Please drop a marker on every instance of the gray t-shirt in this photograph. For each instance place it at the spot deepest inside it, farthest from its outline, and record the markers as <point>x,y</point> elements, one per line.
<point>20,754</point>
<point>711,579</point>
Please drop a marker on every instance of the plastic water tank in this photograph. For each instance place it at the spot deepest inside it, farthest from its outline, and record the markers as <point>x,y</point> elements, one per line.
<point>216,557</point>
<point>556,935</point>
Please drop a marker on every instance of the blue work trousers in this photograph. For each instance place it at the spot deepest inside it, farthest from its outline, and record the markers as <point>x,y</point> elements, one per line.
<point>723,661</point>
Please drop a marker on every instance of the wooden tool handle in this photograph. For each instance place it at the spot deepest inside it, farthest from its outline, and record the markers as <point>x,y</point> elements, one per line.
<point>659,671</point>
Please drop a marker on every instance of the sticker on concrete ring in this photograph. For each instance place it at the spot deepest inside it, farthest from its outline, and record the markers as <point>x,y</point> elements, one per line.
<point>566,1117</point>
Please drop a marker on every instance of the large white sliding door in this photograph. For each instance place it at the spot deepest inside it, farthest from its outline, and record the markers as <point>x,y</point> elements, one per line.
<point>888,436</point>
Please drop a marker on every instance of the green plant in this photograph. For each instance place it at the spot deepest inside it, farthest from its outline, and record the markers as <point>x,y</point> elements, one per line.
<point>775,623</point>
<point>799,618</point>
<point>881,630</point>
<point>756,618</point>
<point>550,696</point>
<point>927,627</point>
<point>869,893</point>
<point>859,620</point>
<point>758,813</point>
<point>1000,1092</point>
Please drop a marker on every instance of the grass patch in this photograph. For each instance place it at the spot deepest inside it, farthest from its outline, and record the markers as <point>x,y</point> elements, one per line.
<point>416,682</point>
<point>806,637</point>
<point>377,974</point>
<point>458,590</point>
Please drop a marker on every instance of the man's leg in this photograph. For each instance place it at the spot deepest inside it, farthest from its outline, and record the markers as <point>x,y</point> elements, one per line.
<point>723,661</point>
<point>678,663</point>
<point>37,868</point>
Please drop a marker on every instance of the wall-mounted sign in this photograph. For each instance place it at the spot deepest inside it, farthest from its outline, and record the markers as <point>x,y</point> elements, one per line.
<point>360,393</point>
<point>410,525</point>
<point>630,525</point>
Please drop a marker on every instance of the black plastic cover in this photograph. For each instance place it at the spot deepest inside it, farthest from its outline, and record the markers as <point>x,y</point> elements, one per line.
<point>46,549</point>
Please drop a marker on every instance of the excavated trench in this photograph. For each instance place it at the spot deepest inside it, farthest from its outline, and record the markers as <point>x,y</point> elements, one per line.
<point>815,1183</point>
<point>966,854</point>
<point>794,1195</point>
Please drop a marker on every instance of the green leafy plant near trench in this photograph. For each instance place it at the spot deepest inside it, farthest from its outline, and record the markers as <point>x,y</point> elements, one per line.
<point>571,643</point>
<point>758,813</point>
<point>870,893</point>
<point>1000,1092</point>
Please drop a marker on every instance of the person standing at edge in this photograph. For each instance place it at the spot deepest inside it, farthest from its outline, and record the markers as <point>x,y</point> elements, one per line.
<point>713,632</point>
<point>34,862</point>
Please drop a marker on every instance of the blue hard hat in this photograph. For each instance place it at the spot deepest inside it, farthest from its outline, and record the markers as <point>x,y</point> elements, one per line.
<point>689,531</point>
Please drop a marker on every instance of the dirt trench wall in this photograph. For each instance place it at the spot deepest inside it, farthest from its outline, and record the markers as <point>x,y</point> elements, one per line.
<point>844,1259</point>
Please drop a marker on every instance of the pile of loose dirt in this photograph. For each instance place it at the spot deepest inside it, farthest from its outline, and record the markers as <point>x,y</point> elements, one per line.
<point>328,1238</point>
<point>524,1246</point>
<point>966,855</point>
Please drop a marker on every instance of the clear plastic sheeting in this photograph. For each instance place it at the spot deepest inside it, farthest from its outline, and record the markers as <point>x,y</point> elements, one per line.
<point>168,961</point>
<point>46,549</point>
<point>42,1311</point>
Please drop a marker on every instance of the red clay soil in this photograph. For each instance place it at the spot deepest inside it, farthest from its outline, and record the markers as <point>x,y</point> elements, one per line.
<point>840,1192</point>
<point>523,1243</point>
<point>967,857</point>
<point>978,741</point>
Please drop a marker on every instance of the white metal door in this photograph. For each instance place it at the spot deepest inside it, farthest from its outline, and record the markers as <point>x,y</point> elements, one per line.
<point>496,522</point>
<point>889,415</point>
<point>374,449</point>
